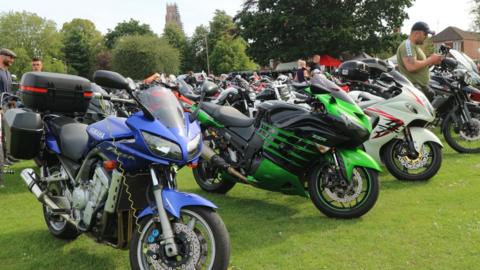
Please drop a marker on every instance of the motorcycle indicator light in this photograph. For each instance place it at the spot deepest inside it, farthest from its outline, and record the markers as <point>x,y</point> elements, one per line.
<point>109,165</point>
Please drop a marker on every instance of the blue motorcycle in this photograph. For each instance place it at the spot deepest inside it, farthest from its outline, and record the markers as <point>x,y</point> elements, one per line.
<point>115,179</point>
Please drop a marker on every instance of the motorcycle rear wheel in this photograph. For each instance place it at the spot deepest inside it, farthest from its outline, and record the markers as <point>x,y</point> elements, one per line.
<point>58,226</point>
<point>210,180</point>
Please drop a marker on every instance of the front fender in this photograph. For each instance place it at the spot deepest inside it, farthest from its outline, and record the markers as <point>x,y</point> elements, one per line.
<point>174,201</point>
<point>421,135</point>
<point>357,158</point>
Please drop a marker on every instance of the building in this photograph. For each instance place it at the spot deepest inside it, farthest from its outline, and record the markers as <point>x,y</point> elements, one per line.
<point>460,40</point>
<point>173,16</point>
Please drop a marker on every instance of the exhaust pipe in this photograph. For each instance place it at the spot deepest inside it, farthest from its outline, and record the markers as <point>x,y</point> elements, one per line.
<point>28,176</point>
<point>209,155</point>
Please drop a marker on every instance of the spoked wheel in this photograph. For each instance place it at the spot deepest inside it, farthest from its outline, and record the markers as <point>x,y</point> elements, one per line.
<point>201,237</point>
<point>210,179</point>
<point>57,225</point>
<point>404,165</point>
<point>336,197</point>
<point>462,137</point>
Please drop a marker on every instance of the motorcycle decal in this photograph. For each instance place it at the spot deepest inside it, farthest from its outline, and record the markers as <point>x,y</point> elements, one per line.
<point>392,124</point>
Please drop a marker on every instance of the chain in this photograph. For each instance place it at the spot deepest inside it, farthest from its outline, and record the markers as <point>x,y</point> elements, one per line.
<point>122,172</point>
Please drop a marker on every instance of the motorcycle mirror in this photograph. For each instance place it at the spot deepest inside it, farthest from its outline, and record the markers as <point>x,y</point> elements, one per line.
<point>193,116</point>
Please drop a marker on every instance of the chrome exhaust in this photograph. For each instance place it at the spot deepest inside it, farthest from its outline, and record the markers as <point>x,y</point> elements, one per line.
<point>28,176</point>
<point>209,155</point>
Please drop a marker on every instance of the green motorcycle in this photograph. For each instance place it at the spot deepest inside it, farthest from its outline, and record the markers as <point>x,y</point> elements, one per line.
<point>312,151</point>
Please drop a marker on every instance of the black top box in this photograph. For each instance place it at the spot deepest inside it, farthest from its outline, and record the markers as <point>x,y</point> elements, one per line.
<point>55,92</point>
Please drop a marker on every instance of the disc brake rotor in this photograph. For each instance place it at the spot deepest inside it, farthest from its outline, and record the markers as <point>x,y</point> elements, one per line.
<point>189,249</point>
<point>471,133</point>
<point>416,163</point>
<point>348,194</point>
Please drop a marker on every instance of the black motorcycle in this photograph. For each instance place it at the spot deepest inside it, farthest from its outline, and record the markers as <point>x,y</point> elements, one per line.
<point>459,116</point>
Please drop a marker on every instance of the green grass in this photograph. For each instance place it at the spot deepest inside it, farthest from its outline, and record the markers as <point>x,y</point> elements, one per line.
<point>431,225</point>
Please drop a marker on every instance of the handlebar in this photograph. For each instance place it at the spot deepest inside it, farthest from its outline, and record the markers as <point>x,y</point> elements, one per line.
<point>114,99</point>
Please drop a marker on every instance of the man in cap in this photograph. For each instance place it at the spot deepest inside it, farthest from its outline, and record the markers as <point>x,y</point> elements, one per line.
<point>6,60</point>
<point>412,61</point>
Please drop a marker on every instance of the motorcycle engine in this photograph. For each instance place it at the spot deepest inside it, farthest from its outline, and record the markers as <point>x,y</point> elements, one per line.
<point>88,196</point>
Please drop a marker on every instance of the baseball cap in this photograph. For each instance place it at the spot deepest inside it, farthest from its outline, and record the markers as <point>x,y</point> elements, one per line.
<point>422,26</point>
<point>7,52</point>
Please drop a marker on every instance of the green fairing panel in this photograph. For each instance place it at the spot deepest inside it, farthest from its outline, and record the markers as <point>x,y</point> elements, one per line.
<point>206,119</point>
<point>340,107</point>
<point>357,158</point>
<point>273,177</point>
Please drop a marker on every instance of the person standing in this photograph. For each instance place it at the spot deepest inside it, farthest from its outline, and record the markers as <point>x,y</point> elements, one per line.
<point>412,61</point>
<point>37,64</point>
<point>7,58</point>
<point>302,73</point>
<point>315,64</point>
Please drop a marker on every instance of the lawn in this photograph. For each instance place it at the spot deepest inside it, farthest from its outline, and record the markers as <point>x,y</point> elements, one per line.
<point>431,225</point>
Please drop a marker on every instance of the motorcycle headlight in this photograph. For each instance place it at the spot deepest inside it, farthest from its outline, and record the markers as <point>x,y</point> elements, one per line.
<point>194,146</point>
<point>162,147</point>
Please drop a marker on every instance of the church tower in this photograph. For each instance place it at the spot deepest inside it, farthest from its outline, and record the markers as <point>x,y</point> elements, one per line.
<point>173,16</point>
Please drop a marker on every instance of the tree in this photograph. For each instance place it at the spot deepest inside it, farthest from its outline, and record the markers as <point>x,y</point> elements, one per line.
<point>140,56</point>
<point>29,35</point>
<point>229,55</point>
<point>82,43</point>
<point>227,52</point>
<point>196,50</point>
<point>288,29</point>
<point>132,27</point>
<point>220,25</point>
<point>476,14</point>
<point>177,39</point>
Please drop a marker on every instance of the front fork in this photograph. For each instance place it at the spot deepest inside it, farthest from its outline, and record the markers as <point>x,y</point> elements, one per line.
<point>167,231</point>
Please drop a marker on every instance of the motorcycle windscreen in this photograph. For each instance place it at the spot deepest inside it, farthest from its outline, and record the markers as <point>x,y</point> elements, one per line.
<point>164,106</point>
<point>323,84</point>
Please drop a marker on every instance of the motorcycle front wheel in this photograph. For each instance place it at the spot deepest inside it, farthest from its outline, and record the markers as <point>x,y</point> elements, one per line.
<point>201,237</point>
<point>405,167</point>
<point>462,137</point>
<point>338,198</point>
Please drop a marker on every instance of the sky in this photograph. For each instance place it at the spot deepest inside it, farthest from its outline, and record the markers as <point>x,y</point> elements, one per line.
<point>107,13</point>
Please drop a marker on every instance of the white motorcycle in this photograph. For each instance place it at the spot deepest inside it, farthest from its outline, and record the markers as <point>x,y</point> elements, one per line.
<point>400,114</point>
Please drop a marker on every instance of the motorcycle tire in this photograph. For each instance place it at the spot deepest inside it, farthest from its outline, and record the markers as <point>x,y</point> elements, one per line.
<point>59,227</point>
<point>448,126</point>
<point>335,209</point>
<point>400,174</point>
<point>204,216</point>
<point>205,176</point>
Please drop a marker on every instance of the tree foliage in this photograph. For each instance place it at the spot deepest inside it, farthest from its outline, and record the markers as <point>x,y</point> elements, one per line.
<point>288,29</point>
<point>226,51</point>
<point>82,42</point>
<point>126,28</point>
<point>229,55</point>
<point>140,56</point>
<point>30,35</point>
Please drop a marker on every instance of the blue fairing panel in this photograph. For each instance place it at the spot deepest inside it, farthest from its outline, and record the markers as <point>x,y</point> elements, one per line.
<point>109,128</point>
<point>52,143</point>
<point>174,201</point>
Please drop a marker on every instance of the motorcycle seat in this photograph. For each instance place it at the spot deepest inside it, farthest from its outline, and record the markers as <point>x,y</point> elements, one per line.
<point>227,115</point>
<point>72,136</point>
